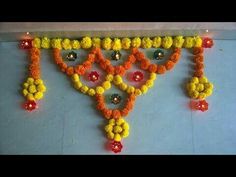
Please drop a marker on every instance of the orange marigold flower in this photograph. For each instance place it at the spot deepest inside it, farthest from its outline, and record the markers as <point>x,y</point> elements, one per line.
<point>87,65</point>
<point>116,114</point>
<point>70,71</point>
<point>177,50</point>
<point>80,70</point>
<point>127,65</point>
<point>107,113</point>
<point>145,64</point>
<point>198,58</point>
<point>134,50</point>
<point>199,66</point>
<point>110,69</point>
<point>161,69</point>
<point>152,68</point>
<point>140,56</point>
<point>124,112</point>
<point>131,59</point>
<point>169,65</point>
<point>120,70</point>
<point>197,50</point>
<point>101,106</point>
<point>198,73</point>
<point>91,58</point>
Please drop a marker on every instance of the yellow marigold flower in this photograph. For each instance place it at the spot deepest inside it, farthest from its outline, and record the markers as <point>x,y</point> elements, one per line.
<point>91,92</point>
<point>144,89</point>
<point>138,92</point>
<point>116,44</point>
<point>167,42</point>
<point>66,44</point>
<point>86,42</point>
<point>56,43</point>
<point>75,78</point>
<point>106,85</point>
<point>38,81</point>
<point>156,42</point>
<point>84,88</point>
<point>117,80</point>
<point>198,41</point>
<point>75,44</point>
<point>26,85</point>
<point>99,90</point>
<point>149,83</point>
<point>96,42</point>
<point>30,80</point>
<point>45,43</point>
<point>194,80</point>
<point>38,95</point>
<point>123,86</point>
<point>199,87</point>
<point>78,85</point>
<point>209,85</point>
<point>178,41</point>
<point>117,129</point>
<point>109,77</point>
<point>130,89</point>
<point>30,96</point>
<point>203,80</point>
<point>153,76</point>
<point>136,42</point>
<point>106,43</point>
<point>32,89</point>
<point>25,92</point>
<point>146,42</point>
<point>189,42</point>
<point>126,42</point>
<point>208,92</point>
<point>36,42</point>
<point>41,88</point>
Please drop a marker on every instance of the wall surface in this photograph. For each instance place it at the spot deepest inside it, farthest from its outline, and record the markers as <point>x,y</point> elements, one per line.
<point>161,122</point>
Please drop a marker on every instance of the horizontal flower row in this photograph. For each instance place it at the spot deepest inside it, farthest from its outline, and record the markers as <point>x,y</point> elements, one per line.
<point>117,44</point>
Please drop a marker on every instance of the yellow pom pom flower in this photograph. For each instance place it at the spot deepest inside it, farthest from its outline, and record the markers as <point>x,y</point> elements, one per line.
<point>126,42</point>
<point>116,44</point>
<point>106,85</point>
<point>199,88</point>
<point>91,92</point>
<point>56,43</point>
<point>75,44</point>
<point>144,89</point>
<point>117,79</point>
<point>86,42</point>
<point>117,129</point>
<point>96,42</point>
<point>99,90</point>
<point>146,43</point>
<point>149,83</point>
<point>36,42</point>
<point>156,42</point>
<point>189,42</point>
<point>109,77</point>
<point>123,86</point>
<point>84,88</point>
<point>136,42</point>
<point>178,41</point>
<point>106,43</point>
<point>198,41</point>
<point>130,89</point>
<point>167,42</point>
<point>66,44</point>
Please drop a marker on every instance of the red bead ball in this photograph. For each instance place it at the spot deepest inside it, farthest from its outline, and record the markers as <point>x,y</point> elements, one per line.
<point>30,105</point>
<point>207,42</point>
<point>137,76</point>
<point>93,76</point>
<point>26,44</point>
<point>116,146</point>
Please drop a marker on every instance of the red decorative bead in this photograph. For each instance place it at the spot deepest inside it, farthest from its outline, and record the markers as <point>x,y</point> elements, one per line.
<point>116,146</point>
<point>26,44</point>
<point>30,105</point>
<point>137,76</point>
<point>93,76</point>
<point>207,42</point>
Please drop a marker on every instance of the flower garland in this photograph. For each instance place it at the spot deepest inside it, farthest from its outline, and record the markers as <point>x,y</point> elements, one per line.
<point>33,87</point>
<point>107,43</point>
<point>117,128</point>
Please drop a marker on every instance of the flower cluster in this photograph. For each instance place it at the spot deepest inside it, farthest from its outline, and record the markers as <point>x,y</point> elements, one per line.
<point>33,89</point>
<point>199,88</point>
<point>117,129</point>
